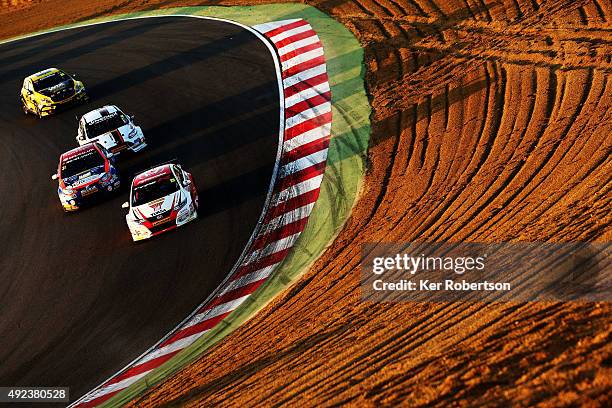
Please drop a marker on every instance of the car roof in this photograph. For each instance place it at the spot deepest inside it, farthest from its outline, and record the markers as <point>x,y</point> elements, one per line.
<point>99,113</point>
<point>77,151</point>
<point>152,174</point>
<point>43,73</point>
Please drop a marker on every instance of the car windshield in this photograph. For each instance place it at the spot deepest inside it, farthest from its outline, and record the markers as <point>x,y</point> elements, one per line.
<point>152,190</point>
<point>104,124</point>
<point>82,163</point>
<point>50,81</point>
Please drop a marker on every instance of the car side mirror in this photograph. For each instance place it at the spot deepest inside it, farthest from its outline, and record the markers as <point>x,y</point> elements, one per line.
<point>132,117</point>
<point>54,177</point>
<point>125,205</point>
<point>80,137</point>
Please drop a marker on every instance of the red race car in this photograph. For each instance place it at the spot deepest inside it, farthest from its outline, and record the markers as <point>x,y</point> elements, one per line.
<point>161,199</point>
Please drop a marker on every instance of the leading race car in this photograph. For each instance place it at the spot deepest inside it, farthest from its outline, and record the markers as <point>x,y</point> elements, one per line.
<point>161,199</point>
<point>44,92</point>
<point>85,172</point>
<point>112,128</point>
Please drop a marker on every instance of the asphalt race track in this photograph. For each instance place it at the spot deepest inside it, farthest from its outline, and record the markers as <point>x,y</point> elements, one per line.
<point>78,299</point>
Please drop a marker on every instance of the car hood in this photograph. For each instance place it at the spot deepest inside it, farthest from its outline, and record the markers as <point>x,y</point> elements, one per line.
<point>84,178</point>
<point>57,89</point>
<point>159,207</point>
<point>114,137</point>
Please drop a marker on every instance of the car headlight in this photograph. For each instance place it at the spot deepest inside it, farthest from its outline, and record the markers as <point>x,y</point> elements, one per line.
<point>136,138</point>
<point>182,216</point>
<point>184,213</point>
<point>69,192</point>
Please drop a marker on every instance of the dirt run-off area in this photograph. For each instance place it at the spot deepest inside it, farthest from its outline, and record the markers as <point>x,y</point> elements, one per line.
<point>491,122</point>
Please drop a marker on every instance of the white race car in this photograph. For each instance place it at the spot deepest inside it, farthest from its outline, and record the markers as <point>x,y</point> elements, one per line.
<point>161,199</point>
<point>111,128</point>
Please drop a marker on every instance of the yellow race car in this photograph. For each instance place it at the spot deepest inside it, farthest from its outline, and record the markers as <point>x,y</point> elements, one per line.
<point>44,92</point>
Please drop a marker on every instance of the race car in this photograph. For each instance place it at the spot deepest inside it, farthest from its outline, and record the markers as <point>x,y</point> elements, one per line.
<point>112,128</point>
<point>161,199</point>
<point>44,92</point>
<point>85,172</point>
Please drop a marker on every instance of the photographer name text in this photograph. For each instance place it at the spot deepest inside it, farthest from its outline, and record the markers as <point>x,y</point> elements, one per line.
<point>446,285</point>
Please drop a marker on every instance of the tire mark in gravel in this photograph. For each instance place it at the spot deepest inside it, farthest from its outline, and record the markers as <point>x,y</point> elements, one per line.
<point>525,192</point>
<point>546,204</point>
